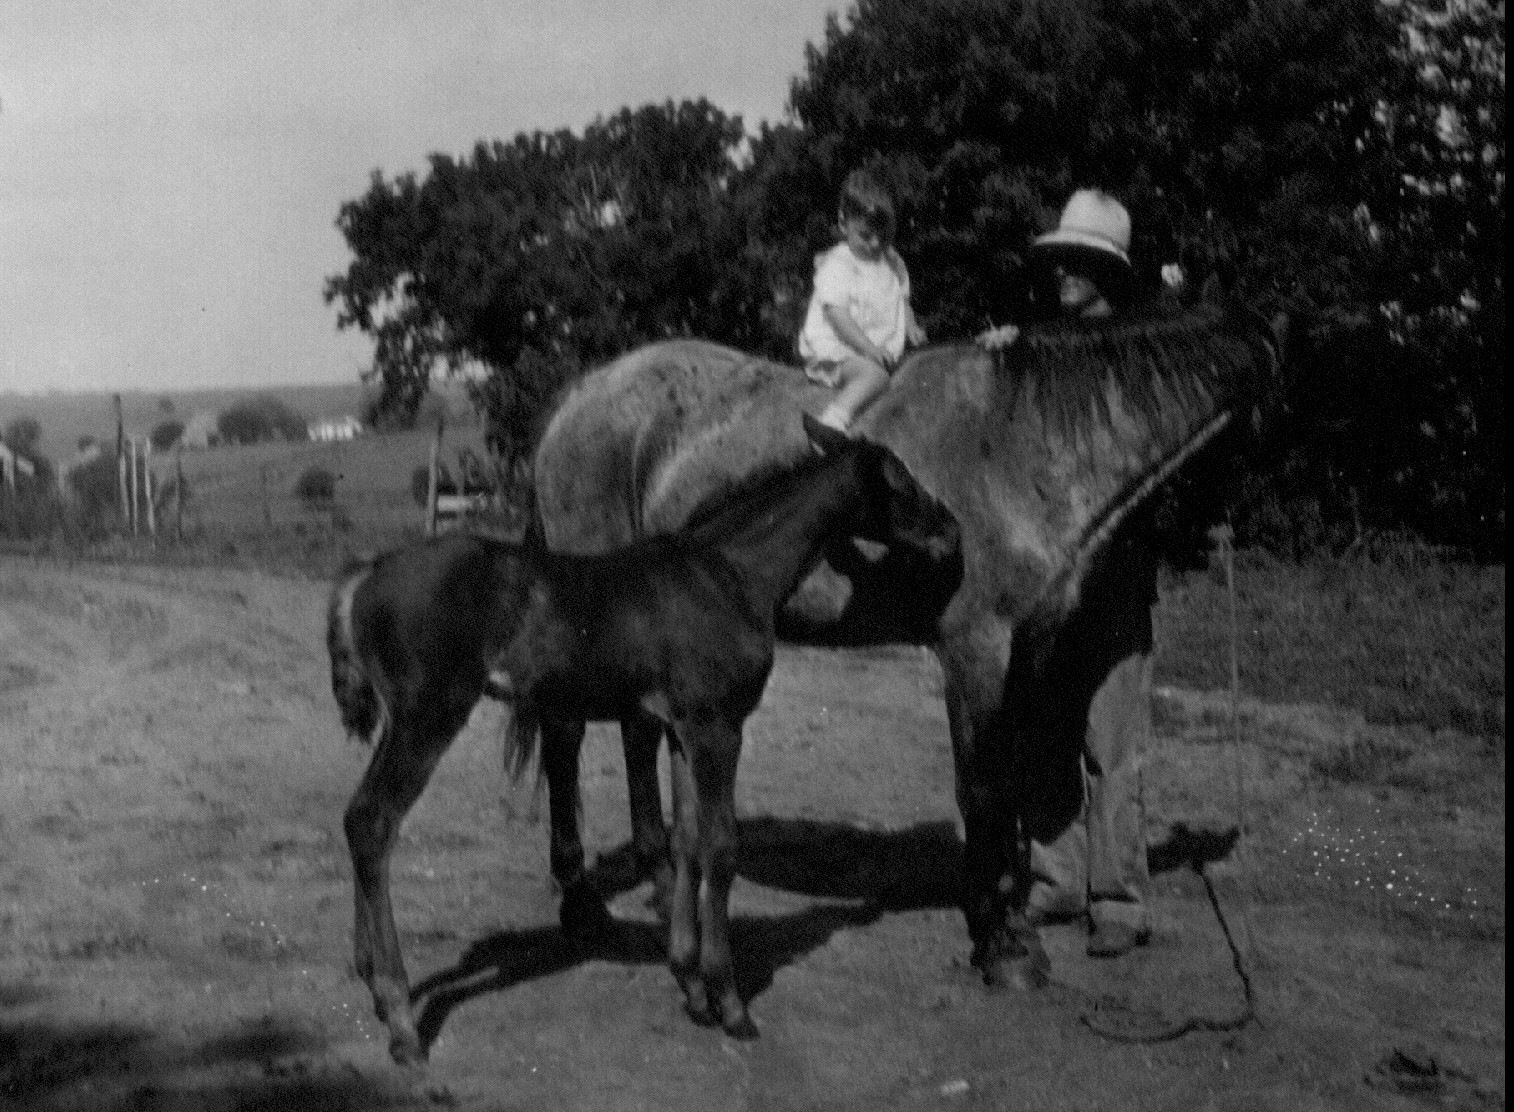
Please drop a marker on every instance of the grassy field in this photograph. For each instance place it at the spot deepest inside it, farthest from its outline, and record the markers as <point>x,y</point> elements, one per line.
<point>1401,635</point>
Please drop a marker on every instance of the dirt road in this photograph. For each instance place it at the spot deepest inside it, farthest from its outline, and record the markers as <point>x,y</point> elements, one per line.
<point>175,906</point>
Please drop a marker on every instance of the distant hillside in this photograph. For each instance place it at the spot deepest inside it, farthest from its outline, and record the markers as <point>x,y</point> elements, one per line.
<point>65,417</point>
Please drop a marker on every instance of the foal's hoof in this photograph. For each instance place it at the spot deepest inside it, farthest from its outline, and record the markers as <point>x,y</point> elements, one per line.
<point>742,1028</point>
<point>583,915</point>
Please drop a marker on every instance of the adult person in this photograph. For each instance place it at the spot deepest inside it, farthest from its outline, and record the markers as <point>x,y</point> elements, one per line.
<point>1081,773</point>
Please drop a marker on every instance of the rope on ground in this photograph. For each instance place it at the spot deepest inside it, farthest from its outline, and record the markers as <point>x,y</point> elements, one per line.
<point>1173,1031</point>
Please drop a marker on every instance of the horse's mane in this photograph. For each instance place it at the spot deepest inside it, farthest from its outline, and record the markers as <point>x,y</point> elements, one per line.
<point>1201,359</point>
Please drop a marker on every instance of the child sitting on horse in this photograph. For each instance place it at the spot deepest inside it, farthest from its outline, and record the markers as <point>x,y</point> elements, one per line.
<point>859,317</point>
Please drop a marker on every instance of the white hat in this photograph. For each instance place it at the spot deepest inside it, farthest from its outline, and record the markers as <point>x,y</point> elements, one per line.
<point>1093,235</point>
<point>1092,218</point>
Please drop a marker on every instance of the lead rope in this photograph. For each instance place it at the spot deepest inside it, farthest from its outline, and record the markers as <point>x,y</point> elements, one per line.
<point>1223,534</point>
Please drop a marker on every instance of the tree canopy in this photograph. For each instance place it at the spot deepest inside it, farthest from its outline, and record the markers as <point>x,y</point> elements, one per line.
<point>1340,160</point>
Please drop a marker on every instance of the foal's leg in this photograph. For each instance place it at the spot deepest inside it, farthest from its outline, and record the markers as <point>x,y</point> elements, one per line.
<point>639,737</point>
<point>715,751</point>
<point>582,913</point>
<point>407,754</point>
<point>683,917</point>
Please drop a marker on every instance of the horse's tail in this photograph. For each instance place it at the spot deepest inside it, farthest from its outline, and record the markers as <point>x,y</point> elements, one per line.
<point>522,739</point>
<point>362,708</point>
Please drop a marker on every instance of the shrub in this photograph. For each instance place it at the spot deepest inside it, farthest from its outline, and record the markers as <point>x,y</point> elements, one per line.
<point>261,419</point>
<point>316,488</point>
<point>96,490</point>
<point>166,435</point>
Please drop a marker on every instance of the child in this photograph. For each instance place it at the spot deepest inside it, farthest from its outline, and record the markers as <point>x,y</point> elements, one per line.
<point>859,317</point>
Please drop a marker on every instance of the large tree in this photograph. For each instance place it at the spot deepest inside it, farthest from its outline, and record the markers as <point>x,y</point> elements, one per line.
<point>546,253</point>
<point>1340,160</point>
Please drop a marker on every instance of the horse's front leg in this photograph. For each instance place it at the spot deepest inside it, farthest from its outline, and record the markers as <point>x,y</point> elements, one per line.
<point>582,913</point>
<point>639,737</point>
<point>1006,948</point>
<point>407,753</point>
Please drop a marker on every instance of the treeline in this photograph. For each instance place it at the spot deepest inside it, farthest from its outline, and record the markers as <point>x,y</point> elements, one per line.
<point>1340,160</point>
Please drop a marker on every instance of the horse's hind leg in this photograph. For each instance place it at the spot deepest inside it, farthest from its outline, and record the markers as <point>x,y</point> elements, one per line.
<point>582,913</point>
<point>639,737</point>
<point>408,751</point>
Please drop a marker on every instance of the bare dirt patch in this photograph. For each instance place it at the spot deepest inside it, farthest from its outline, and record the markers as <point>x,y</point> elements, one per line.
<point>175,906</point>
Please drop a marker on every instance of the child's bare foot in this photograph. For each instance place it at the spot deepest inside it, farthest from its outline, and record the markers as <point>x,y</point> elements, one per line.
<point>835,419</point>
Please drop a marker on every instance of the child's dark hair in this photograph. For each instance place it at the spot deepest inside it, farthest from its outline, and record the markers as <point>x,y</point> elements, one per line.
<point>862,198</point>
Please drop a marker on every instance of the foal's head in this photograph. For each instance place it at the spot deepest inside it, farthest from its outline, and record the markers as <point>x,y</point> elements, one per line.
<point>894,509</point>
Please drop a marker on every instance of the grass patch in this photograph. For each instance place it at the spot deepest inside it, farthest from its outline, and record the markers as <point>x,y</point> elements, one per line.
<point>1402,636</point>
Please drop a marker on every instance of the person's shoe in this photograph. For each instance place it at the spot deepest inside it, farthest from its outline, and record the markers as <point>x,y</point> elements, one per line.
<point>1110,939</point>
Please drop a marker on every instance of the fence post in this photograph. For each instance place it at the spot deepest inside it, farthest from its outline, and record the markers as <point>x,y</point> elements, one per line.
<point>436,459</point>
<point>132,470</point>
<point>178,493</point>
<point>149,484</point>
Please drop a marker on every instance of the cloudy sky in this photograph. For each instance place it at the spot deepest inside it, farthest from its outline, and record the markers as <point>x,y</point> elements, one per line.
<point>171,170</point>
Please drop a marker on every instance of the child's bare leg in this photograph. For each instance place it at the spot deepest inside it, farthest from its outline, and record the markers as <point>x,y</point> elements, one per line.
<point>862,380</point>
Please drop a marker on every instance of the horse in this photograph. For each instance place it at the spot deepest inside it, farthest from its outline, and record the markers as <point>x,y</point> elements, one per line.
<point>1043,452</point>
<point>679,628</point>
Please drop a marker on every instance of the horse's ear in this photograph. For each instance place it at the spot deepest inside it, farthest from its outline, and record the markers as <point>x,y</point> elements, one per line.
<point>824,439</point>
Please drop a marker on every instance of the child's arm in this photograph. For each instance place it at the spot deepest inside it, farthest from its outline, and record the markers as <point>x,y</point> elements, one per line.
<point>914,335</point>
<point>853,337</point>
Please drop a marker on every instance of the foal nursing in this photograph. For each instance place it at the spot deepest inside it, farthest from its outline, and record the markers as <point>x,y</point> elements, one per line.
<point>679,627</point>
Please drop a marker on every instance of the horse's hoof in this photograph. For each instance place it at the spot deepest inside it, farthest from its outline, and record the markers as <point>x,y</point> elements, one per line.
<point>405,1049</point>
<point>1022,974</point>
<point>583,915</point>
<point>1013,960</point>
<point>742,1028</point>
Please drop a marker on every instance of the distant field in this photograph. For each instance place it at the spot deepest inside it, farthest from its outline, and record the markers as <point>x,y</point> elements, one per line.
<point>65,417</point>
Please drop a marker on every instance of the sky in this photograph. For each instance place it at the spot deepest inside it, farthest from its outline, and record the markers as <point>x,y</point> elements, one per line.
<point>171,170</point>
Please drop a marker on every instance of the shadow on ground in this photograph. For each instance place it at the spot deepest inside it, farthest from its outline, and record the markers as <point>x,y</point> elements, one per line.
<point>866,873</point>
<point>119,1068</point>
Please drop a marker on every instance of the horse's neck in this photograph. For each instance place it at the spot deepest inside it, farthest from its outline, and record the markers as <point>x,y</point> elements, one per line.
<point>778,545</point>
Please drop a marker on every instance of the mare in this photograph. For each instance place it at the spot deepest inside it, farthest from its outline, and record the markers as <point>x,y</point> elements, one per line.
<point>1042,452</point>
<point>676,628</point>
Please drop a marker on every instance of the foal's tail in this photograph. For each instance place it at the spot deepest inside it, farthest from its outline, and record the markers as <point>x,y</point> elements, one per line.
<point>522,740</point>
<point>361,706</point>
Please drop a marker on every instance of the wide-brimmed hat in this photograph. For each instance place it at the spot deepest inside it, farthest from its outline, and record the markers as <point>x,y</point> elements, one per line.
<point>1092,238</point>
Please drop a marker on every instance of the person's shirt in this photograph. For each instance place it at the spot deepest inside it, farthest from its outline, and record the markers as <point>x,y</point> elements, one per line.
<point>875,294</point>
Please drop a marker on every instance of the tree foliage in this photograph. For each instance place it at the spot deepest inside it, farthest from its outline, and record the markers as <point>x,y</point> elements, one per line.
<point>22,435</point>
<point>1343,161</point>
<point>544,254</point>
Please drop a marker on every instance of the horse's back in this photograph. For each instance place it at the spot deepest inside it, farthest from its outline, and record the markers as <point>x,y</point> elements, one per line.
<point>638,444</point>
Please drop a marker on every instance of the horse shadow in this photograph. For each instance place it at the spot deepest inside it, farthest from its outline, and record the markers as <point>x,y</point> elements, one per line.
<point>864,874</point>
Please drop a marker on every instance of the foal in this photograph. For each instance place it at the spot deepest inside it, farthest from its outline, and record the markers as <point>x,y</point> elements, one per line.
<point>678,627</point>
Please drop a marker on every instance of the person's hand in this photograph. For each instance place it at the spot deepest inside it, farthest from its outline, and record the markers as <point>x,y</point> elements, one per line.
<point>1000,337</point>
<point>915,335</point>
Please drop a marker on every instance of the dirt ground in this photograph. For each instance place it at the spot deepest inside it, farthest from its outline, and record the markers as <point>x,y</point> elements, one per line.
<point>175,901</point>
